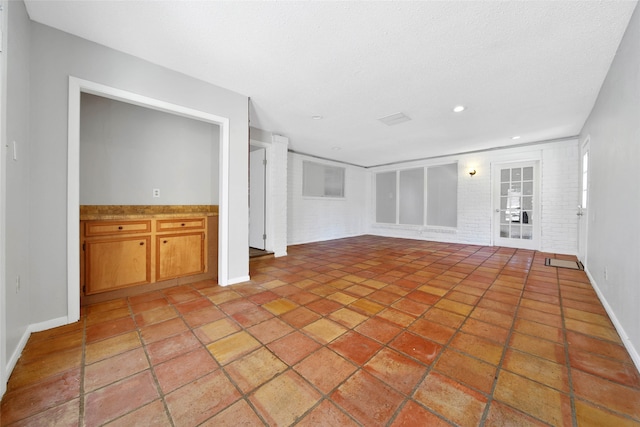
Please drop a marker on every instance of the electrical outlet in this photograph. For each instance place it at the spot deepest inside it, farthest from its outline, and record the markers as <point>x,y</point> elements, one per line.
<point>606,274</point>
<point>156,192</point>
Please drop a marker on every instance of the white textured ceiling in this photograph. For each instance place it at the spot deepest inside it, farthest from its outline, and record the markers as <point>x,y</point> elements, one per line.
<point>521,67</point>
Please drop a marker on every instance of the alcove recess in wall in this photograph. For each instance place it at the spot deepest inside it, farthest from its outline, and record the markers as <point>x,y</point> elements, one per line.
<point>127,250</point>
<point>127,153</point>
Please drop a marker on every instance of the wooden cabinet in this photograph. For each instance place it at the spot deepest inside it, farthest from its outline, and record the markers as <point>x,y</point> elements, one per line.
<point>117,263</point>
<point>107,228</point>
<point>121,254</point>
<point>180,224</point>
<point>179,255</point>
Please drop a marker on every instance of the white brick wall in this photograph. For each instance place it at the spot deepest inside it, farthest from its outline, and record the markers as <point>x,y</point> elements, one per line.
<point>558,188</point>
<point>277,235</point>
<point>560,195</point>
<point>316,219</point>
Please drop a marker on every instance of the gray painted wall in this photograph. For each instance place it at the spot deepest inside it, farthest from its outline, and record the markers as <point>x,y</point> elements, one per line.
<point>54,57</point>
<point>126,151</point>
<point>614,230</point>
<point>39,62</point>
<point>17,201</point>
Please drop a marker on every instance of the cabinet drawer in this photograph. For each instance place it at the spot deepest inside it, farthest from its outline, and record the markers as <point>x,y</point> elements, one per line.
<point>104,228</point>
<point>180,224</point>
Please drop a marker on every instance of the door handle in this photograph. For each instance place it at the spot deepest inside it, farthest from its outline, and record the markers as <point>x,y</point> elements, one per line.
<point>579,213</point>
<point>497,210</point>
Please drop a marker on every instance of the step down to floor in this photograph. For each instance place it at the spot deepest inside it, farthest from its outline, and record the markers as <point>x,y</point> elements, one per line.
<point>258,254</point>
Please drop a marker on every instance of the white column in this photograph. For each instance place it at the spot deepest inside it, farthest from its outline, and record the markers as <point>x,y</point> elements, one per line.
<point>278,197</point>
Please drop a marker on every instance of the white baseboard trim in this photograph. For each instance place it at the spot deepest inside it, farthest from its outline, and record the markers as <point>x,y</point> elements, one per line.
<point>34,327</point>
<point>13,360</point>
<point>323,239</point>
<point>633,352</point>
<point>279,254</point>
<point>49,324</point>
<point>237,280</point>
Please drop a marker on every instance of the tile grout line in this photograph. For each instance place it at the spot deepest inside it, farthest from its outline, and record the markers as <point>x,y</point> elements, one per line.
<point>483,418</point>
<point>152,370</point>
<point>243,396</point>
<point>531,274</point>
<point>445,346</point>
<point>326,396</point>
<point>572,398</point>
<point>81,396</point>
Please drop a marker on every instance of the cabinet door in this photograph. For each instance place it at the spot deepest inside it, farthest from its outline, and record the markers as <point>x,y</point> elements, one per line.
<point>179,255</point>
<point>117,263</point>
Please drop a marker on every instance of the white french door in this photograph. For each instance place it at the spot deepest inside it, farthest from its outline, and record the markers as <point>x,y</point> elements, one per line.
<point>583,202</point>
<point>516,216</point>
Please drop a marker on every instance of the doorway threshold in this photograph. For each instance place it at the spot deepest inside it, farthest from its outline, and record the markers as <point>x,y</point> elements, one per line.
<point>259,253</point>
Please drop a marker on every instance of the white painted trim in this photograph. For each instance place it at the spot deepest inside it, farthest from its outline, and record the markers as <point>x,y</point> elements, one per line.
<point>494,168</point>
<point>73,201</point>
<point>35,327</point>
<point>326,239</point>
<point>76,86</point>
<point>236,280</point>
<point>633,352</point>
<point>223,205</point>
<point>4,371</point>
<point>268,201</point>
<point>48,324</point>
<point>13,360</point>
<point>584,145</point>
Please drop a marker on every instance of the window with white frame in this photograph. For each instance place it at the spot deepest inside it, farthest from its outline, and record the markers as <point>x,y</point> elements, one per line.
<point>321,180</point>
<point>419,196</point>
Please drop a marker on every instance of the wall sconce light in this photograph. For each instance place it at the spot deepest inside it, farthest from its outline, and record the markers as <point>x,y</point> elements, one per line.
<point>472,172</point>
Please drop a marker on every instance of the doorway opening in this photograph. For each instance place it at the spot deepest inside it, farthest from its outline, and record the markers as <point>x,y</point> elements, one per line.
<point>78,86</point>
<point>584,202</point>
<point>258,202</point>
<point>516,205</point>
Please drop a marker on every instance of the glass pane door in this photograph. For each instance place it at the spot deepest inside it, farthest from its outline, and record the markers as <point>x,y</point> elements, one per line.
<point>517,216</point>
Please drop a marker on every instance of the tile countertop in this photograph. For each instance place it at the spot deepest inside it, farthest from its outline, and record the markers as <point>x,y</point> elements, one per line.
<point>115,212</point>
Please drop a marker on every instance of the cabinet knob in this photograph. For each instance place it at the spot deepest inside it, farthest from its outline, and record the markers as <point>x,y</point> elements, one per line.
<point>164,241</point>
<point>141,243</point>
<point>120,228</point>
<point>182,225</point>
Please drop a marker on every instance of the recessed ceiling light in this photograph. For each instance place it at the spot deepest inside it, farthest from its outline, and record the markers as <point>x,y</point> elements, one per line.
<point>458,108</point>
<point>336,148</point>
<point>515,137</point>
<point>317,117</point>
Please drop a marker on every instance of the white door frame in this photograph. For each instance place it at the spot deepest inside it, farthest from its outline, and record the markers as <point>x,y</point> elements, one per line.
<point>76,87</point>
<point>536,242</point>
<point>3,201</point>
<point>257,197</point>
<point>583,212</point>
<point>268,208</point>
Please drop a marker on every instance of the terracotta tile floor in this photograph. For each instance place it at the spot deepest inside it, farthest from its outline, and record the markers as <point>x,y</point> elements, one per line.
<point>361,331</point>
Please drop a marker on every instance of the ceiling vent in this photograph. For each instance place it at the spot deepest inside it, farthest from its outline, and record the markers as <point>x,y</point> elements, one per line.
<point>394,119</point>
